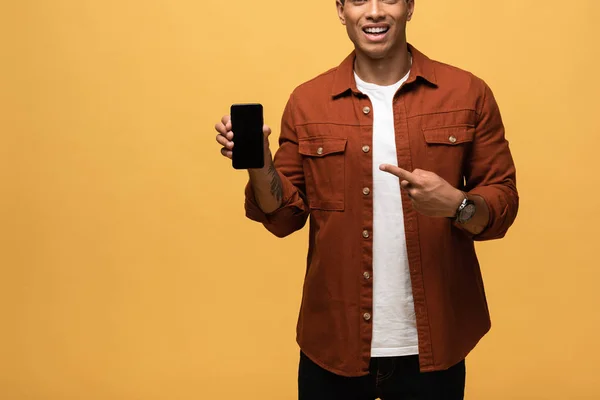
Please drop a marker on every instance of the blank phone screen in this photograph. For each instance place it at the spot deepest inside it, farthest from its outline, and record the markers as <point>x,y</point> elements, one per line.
<point>248,142</point>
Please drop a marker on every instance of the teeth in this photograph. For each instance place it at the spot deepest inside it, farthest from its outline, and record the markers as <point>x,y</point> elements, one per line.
<point>376,30</point>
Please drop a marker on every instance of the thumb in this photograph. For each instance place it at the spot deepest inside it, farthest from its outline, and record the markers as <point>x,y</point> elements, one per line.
<point>266,131</point>
<point>266,134</point>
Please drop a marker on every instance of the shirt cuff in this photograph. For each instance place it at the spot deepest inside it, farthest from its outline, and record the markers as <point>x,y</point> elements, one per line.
<point>495,199</point>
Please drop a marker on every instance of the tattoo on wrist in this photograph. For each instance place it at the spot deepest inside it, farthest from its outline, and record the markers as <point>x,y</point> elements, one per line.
<point>276,188</point>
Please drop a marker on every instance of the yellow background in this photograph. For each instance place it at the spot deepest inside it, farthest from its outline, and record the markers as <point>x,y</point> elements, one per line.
<point>128,270</point>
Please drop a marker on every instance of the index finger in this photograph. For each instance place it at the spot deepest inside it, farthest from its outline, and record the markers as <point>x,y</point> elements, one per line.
<point>226,120</point>
<point>224,127</point>
<point>400,173</point>
<point>221,128</point>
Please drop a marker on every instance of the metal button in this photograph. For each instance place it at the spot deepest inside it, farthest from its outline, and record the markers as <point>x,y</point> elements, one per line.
<point>320,151</point>
<point>366,191</point>
<point>367,316</point>
<point>452,139</point>
<point>366,149</point>
<point>367,275</point>
<point>366,110</point>
<point>366,234</point>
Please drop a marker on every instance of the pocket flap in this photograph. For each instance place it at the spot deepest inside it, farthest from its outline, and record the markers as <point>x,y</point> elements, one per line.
<point>449,135</point>
<point>321,146</point>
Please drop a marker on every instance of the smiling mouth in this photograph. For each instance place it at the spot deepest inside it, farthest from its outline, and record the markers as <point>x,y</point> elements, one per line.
<point>376,31</point>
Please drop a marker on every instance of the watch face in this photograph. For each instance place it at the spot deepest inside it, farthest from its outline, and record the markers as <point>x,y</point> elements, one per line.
<point>467,212</point>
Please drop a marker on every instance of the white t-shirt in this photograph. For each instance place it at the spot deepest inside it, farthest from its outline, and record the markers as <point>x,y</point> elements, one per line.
<point>394,322</point>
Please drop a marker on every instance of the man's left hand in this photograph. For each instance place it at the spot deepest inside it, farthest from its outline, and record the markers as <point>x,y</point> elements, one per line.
<point>431,195</point>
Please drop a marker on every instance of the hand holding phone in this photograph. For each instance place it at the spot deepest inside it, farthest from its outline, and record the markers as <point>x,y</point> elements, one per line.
<point>244,138</point>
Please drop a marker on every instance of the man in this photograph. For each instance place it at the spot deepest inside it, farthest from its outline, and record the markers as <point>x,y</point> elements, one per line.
<point>401,163</point>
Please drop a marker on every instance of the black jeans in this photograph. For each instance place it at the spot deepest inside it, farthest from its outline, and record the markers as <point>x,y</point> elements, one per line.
<point>390,378</point>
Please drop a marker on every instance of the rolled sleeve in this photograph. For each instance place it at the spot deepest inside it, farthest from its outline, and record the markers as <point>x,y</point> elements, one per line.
<point>288,218</point>
<point>491,172</point>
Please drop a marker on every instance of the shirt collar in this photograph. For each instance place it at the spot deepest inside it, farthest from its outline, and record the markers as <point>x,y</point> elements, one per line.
<point>422,67</point>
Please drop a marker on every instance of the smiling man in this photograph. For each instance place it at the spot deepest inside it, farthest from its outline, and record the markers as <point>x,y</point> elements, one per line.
<point>401,163</point>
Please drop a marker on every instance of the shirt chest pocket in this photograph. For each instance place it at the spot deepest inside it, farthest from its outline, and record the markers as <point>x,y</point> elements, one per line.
<point>324,164</point>
<point>447,148</point>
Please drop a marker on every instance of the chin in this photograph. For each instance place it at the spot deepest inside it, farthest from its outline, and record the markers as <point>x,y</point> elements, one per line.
<point>374,54</point>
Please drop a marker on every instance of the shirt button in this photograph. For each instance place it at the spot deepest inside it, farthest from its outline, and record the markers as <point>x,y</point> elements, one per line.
<point>366,110</point>
<point>366,149</point>
<point>367,275</point>
<point>367,316</point>
<point>366,234</point>
<point>320,151</point>
<point>452,139</point>
<point>366,191</point>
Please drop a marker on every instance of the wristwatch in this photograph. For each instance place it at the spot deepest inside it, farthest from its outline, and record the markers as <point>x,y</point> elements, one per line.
<point>465,211</point>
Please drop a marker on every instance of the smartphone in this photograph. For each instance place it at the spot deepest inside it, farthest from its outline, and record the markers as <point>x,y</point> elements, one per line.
<point>248,140</point>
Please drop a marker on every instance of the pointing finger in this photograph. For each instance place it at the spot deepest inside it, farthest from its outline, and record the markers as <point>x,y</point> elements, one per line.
<point>400,173</point>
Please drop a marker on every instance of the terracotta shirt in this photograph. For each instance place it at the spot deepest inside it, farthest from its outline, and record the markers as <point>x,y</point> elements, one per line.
<point>446,121</point>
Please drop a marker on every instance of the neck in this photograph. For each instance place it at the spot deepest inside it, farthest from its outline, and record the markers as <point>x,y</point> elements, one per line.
<point>383,71</point>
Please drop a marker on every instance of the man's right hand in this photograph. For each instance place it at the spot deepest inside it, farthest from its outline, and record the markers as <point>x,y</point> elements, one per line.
<point>225,138</point>
<point>268,189</point>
